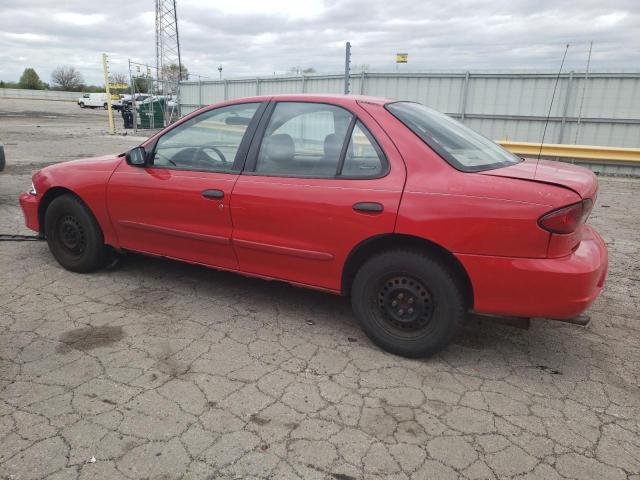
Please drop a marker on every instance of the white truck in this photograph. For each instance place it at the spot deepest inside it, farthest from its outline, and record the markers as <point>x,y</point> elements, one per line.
<point>93,100</point>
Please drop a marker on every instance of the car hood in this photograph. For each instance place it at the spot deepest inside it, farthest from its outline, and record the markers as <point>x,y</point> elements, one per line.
<point>106,163</point>
<point>579,179</point>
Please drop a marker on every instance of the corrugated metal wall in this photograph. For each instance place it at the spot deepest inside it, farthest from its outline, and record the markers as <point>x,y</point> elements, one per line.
<point>39,94</point>
<point>511,106</point>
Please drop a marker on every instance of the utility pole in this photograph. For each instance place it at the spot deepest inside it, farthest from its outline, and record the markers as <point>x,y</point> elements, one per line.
<point>347,67</point>
<point>220,71</point>
<point>105,68</point>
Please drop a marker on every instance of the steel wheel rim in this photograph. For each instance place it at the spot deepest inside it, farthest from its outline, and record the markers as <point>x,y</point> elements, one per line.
<point>71,235</point>
<point>403,306</point>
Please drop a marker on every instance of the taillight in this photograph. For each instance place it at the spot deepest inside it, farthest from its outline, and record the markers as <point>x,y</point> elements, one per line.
<point>566,219</point>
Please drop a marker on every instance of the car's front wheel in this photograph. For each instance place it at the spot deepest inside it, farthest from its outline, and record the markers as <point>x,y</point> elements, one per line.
<point>81,104</point>
<point>105,106</point>
<point>74,236</point>
<point>407,302</point>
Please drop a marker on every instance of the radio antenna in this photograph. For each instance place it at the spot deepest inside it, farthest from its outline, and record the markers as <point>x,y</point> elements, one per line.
<point>584,90</point>
<point>555,86</point>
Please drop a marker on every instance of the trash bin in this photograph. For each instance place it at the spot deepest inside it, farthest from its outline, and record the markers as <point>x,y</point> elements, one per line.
<point>151,114</point>
<point>127,116</point>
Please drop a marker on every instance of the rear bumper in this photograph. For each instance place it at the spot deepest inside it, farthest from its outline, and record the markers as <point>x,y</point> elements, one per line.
<point>546,287</point>
<point>29,205</point>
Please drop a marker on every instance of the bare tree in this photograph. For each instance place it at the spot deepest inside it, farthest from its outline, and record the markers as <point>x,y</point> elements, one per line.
<point>119,78</point>
<point>298,70</point>
<point>66,77</point>
<point>171,75</point>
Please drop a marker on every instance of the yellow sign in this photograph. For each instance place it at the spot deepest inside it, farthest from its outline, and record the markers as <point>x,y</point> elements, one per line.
<point>118,86</point>
<point>402,57</point>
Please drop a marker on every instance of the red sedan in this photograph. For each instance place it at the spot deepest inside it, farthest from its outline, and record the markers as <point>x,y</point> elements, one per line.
<point>416,217</point>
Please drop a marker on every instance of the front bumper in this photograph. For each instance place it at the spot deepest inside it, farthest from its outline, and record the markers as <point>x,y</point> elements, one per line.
<point>29,204</point>
<point>539,287</point>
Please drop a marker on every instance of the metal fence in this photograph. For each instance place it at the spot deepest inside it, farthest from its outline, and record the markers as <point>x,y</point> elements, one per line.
<point>502,106</point>
<point>39,94</point>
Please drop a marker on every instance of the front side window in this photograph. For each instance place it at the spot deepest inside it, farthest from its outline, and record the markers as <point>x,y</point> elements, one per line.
<point>303,139</point>
<point>463,148</point>
<point>207,142</point>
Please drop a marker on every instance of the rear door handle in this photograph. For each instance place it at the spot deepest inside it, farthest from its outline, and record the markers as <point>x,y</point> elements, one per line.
<point>368,207</point>
<point>213,194</point>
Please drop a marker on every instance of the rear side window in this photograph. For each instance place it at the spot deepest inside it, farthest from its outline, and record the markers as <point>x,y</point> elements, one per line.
<point>363,157</point>
<point>463,148</point>
<point>305,139</point>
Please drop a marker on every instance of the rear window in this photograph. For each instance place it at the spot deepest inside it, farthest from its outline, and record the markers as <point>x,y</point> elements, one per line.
<point>463,148</point>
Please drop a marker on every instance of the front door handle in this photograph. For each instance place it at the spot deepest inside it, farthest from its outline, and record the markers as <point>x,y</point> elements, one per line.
<point>213,194</point>
<point>368,207</point>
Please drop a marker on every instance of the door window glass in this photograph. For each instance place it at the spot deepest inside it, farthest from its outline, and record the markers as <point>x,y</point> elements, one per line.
<point>303,139</point>
<point>207,142</point>
<point>363,158</point>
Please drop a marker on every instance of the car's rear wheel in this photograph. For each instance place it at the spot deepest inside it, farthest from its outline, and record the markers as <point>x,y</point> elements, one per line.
<point>74,236</point>
<point>407,302</point>
<point>105,106</point>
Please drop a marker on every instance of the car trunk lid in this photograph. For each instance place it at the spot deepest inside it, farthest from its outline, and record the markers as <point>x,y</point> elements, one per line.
<point>578,179</point>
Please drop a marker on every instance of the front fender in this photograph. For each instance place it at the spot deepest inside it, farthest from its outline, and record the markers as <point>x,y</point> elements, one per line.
<point>88,180</point>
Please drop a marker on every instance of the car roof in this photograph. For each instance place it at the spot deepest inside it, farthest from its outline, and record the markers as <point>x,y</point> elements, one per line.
<point>337,97</point>
<point>316,97</point>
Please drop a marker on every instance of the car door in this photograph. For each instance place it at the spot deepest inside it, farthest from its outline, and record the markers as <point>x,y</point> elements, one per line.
<point>319,180</point>
<point>177,205</point>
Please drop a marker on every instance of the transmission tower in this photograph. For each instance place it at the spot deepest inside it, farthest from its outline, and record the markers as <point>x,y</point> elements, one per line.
<point>167,45</point>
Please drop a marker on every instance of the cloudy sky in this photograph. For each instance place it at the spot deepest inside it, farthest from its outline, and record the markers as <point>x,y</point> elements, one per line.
<point>260,37</point>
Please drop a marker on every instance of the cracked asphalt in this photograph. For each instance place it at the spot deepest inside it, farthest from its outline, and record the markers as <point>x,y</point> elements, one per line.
<point>154,369</point>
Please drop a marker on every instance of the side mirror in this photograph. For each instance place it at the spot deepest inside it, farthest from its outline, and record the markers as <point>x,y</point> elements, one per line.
<point>137,157</point>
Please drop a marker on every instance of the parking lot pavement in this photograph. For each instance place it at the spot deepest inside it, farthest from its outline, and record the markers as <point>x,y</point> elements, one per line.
<point>155,369</point>
<point>44,131</point>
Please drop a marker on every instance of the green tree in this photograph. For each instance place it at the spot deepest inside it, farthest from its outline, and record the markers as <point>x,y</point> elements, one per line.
<point>141,84</point>
<point>30,80</point>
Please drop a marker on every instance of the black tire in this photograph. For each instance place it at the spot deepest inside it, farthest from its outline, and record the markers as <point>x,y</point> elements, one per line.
<point>74,236</point>
<point>81,104</point>
<point>106,106</point>
<point>408,303</point>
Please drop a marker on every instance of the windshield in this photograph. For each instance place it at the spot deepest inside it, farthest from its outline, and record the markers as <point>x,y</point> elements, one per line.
<point>463,148</point>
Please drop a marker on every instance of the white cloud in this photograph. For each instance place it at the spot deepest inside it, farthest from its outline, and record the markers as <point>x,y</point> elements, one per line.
<point>286,8</point>
<point>259,37</point>
<point>79,19</point>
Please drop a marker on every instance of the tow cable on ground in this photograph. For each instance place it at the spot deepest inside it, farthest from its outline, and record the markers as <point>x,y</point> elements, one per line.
<point>5,237</point>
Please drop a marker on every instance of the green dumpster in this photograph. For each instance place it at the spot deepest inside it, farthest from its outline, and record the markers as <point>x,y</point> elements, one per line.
<point>151,114</point>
